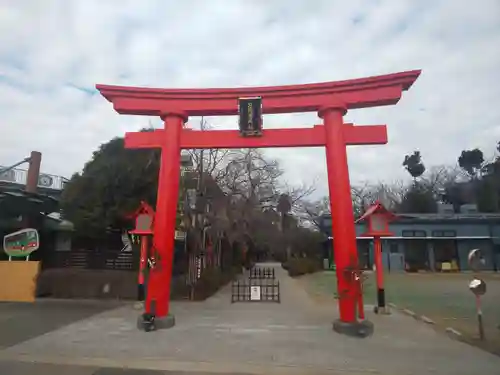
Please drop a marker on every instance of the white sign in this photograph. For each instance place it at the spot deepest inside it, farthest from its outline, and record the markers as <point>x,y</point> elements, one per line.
<point>255,293</point>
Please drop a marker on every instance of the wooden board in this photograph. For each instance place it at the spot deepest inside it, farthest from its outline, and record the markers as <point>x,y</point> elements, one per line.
<point>19,280</point>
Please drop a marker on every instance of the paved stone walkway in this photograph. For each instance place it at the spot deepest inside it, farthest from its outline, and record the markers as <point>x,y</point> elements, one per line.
<point>294,337</point>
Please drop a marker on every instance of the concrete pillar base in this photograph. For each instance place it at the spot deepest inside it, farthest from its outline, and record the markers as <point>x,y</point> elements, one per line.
<point>361,329</point>
<point>144,323</point>
<point>382,310</point>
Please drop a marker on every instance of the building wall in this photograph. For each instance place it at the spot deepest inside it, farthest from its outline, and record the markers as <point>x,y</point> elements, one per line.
<point>394,248</point>
<point>462,229</point>
<point>470,234</point>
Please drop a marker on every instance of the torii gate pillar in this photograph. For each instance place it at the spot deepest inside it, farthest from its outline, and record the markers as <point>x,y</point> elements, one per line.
<point>346,256</point>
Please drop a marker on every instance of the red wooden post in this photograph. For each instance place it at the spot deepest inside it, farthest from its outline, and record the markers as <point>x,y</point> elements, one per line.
<point>343,228</point>
<point>158,294</point>
<point>142,267</point>
<point>379,269</point>
<point>361,307</point>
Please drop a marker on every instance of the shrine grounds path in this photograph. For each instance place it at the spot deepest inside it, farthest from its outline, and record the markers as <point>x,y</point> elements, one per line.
<point>442,297</point>
<point>215,336</point>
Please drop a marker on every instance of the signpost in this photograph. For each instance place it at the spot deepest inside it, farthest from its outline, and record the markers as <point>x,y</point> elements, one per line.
<point>21,243</point>
<point>255,293</point>
<point>477,286</point>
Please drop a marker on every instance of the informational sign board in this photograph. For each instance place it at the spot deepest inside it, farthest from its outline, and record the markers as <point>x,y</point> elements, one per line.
<point>255,293</point>
<point>21,243</point>
<point>250,116</point>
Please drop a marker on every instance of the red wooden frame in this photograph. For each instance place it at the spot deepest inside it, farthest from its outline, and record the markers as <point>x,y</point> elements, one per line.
<point>330,100</point>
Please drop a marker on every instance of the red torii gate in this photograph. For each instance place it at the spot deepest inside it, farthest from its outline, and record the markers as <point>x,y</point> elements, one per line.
<point>330,100</point>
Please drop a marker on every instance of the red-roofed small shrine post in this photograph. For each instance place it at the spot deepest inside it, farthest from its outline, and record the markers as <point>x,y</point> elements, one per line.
<point>378,218</point>
<point>144,220</point>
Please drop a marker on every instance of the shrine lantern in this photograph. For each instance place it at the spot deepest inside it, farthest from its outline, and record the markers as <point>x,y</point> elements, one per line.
<point>377,219</point>
<point>144,220</point>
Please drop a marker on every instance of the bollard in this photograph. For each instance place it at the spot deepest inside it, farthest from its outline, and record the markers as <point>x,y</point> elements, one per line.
<point>477,286</point>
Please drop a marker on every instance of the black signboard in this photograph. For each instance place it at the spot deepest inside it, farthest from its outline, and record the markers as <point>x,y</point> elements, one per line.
<point>250,116</point>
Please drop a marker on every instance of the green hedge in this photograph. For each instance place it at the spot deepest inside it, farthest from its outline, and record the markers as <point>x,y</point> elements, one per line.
<point>81,283</point>
<point>302,266</point>
<point>108,284</point>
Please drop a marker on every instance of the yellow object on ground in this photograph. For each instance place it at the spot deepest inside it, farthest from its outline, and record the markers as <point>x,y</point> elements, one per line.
<point>18,281</point>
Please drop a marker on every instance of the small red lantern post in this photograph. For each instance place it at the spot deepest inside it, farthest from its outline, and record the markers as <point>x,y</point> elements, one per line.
<point>378,219</point>
<point>144,219</point>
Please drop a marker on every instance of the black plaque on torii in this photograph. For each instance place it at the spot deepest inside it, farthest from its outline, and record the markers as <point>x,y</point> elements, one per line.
<point>250,116</point>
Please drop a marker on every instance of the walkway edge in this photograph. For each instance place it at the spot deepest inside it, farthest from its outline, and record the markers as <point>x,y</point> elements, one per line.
<point>191,367</point>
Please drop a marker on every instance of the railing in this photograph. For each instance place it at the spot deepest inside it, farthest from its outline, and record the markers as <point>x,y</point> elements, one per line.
<point>255,290</point>
<point>47,181</point>
<point>82,259</point>
<point>262,273</point>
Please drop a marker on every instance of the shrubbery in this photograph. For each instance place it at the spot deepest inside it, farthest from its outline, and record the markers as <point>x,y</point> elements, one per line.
<point>211,280</point>
<point>112,284</point>
<point>81,283</point>
<point>302,266</point>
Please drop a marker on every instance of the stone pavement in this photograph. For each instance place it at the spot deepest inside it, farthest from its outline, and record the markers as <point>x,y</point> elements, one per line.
<point>294,337</point>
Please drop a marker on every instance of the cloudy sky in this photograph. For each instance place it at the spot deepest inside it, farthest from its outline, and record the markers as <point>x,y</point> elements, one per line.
<point>52,53</point>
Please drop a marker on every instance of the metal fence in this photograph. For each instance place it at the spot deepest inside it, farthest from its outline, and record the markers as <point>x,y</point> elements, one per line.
<point>85,259</point>
<point>262,273</point>
<point>255,290</point>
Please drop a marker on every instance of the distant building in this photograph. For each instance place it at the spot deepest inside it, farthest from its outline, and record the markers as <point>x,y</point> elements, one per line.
<point>48,184</point>
<point>432,242</point>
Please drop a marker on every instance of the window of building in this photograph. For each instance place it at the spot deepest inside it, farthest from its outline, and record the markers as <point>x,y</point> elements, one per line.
<point>414,233</point>
<point>393,248</point>
<point>444,233</point>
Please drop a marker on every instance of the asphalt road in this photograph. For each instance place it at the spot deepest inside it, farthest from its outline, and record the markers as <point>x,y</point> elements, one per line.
<point>23,321</point>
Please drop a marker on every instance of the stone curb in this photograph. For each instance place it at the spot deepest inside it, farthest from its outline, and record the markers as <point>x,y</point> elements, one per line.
<point>425,319</point>
<point>453,331</point>
<point>414,315</point>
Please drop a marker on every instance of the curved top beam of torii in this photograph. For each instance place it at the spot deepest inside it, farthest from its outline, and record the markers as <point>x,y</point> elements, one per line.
<point>355,93</point>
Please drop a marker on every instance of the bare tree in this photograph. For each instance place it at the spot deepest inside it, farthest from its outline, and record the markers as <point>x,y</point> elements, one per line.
<point>366,194</point>
<point>442,177</point>
<point>310,212</point>
<point>210,162</point>
<point>251,177</point>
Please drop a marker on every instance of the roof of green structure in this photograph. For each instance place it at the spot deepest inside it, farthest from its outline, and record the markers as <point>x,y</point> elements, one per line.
<point>17,202</point>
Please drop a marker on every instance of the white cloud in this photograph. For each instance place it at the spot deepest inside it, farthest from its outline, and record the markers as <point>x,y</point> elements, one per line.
<point>52,52</point>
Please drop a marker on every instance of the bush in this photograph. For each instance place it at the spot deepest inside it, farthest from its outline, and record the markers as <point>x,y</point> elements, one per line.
<point>81,283</point>
<point>211,280</point>
<point>302,266</point>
